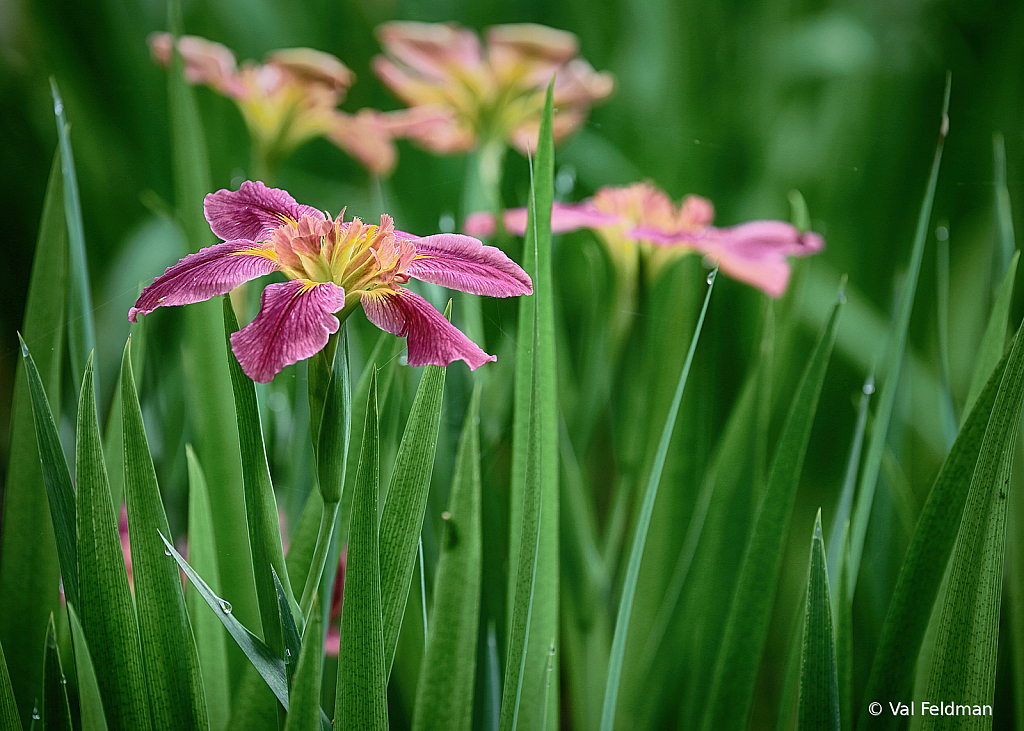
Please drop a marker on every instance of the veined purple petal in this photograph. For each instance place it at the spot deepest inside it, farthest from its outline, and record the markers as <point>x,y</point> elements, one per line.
<point>463,263</point>
<point>432,339</point>
<point>294,322</point>
<point>253,211</point>
<point>207,273</point>
<point>565,217</point>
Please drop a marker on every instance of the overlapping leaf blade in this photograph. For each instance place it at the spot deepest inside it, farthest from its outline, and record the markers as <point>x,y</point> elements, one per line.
<point>56,713</point>
<point>304,708</point>
<point>732,684</point>
<point>106,610</point>
<point>9,720</point>
<point>173,677</point>
<point>444,694</point>
<point>361,701</point>
<point>29,566</point>
<point>819,677</point>
<point>90,700</point>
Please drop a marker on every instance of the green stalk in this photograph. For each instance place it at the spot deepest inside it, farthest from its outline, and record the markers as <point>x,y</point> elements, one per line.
<point>316,567</point>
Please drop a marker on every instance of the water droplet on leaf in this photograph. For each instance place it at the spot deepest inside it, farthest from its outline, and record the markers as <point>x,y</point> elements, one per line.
<point>711,277</point>
<point>225,606</point>
<point>869,388</point>
<point>58,108</point>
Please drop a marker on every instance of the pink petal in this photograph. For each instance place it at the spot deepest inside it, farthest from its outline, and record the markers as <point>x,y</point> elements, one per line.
<point>332,643</point>
<point>294,322</point>
<point>253,211</point>
<point>212,271</point>
<point>430,49</point>
<point>366,137</point>
<point>432,339</point>
<point>766,238</point>
<point>463,263</point>
<point>565,217</point>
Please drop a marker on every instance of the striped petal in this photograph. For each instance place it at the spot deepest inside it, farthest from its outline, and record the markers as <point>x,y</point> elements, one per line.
<point>294,322</point>
<point>432,339</point>
<point>253,211</point>
<point>207,273</point>
<point>463,263</point>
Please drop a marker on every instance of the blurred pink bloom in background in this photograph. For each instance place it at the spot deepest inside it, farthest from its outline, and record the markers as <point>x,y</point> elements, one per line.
<point>461,94</point>
<point>287,100</point>
<point>641,219</point>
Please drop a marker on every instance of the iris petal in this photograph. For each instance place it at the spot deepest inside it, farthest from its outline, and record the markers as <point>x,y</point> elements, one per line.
<point>295,320</point>
<point>432,339</point>
<point>463,263</point>
<point>207,273</point>
<point>253,211</point>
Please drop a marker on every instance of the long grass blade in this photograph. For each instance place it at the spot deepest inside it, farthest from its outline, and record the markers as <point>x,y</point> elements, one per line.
<point>304,709</point>
<point>56,713</point>
<point>444,693</point>
<point>9,720</point>
<point>993,342</point>
<point>964,660</point>
<point>732,684</point>
<point>361,701</point>
<point>59,491</point>
<point>402,518</point>
<point>169,653</point>
<point>537,262</point>
<point>106,610</point>
<point>29,568</point>
<point>819,677</point>
<point>260,505</point>
<point>611,691</point>
<point>894,362</point>
<point>208,631</point>
<point>90,699</point>
<point>81,329</point>
<point>892,671</point>
<point>1004,213</point>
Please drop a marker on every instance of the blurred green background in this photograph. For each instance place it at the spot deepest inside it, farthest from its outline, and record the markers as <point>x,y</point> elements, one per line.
<point>740,102</point>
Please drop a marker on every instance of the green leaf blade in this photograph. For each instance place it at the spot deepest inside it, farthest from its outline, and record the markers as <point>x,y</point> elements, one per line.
<point>89,696</point>
<point>304,708</point>
<point>361,701</point>
<point>9,720</point>
<point>169,652</point>
<point>732,684</point>
<point>107,610</point>
<point>819,674</point>
<point>56,713</point>
<point>444,694</point>
<point>402,518</point>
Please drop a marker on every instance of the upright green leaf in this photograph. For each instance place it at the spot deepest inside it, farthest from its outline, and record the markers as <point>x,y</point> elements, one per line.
<point>611,691</point>
<point>819,676</point>
<point>208,631</point>
<point>444,694</point>
<point>537,262</point>
<point>9,720</point>
<point>894,362</point>
<point>993,342</point>
<point>212,407</point>
<point>59,490</point>
<point>81,330</point>
<point>406,501</point>
<point>56,713</point>
<point>260,505</point>
<point>732,684</point>
<point>173,677</point>
<point>1004,213</point>
<point>892,671</point>
<point>964,660</point>
<point>304,709</point>
<point>521,612</point>
<point>90,699</point>
<point>106,610</point>
<point>29,569</point>
<point>361,701</point>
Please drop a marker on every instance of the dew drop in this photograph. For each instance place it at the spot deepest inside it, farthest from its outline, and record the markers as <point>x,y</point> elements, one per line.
<point>225,606</point>
<point>167,552</point>
<point>869,388</point>
<point>942,233</point>
<point>287,653</point>
<point>711,277</point>
<point>446,224</point>
<point>58,108</point>
<point>35,714</point>
<point>63,680</point>
<point>565,180</point>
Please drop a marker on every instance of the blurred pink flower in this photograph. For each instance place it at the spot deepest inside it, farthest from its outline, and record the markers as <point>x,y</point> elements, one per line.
<point>332,267</point>
<point>641,219</point>
<point>287,100</point>
<point>126,546</point>
<point>460,94</point>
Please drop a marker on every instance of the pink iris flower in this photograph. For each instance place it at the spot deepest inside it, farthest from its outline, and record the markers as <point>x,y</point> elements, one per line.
<point>639,218</point>
<point>287,100</point>
<point>332,266</point>
<point>460,93</point>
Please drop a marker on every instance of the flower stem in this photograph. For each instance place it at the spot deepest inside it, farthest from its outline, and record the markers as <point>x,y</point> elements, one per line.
<point>316,566</point>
